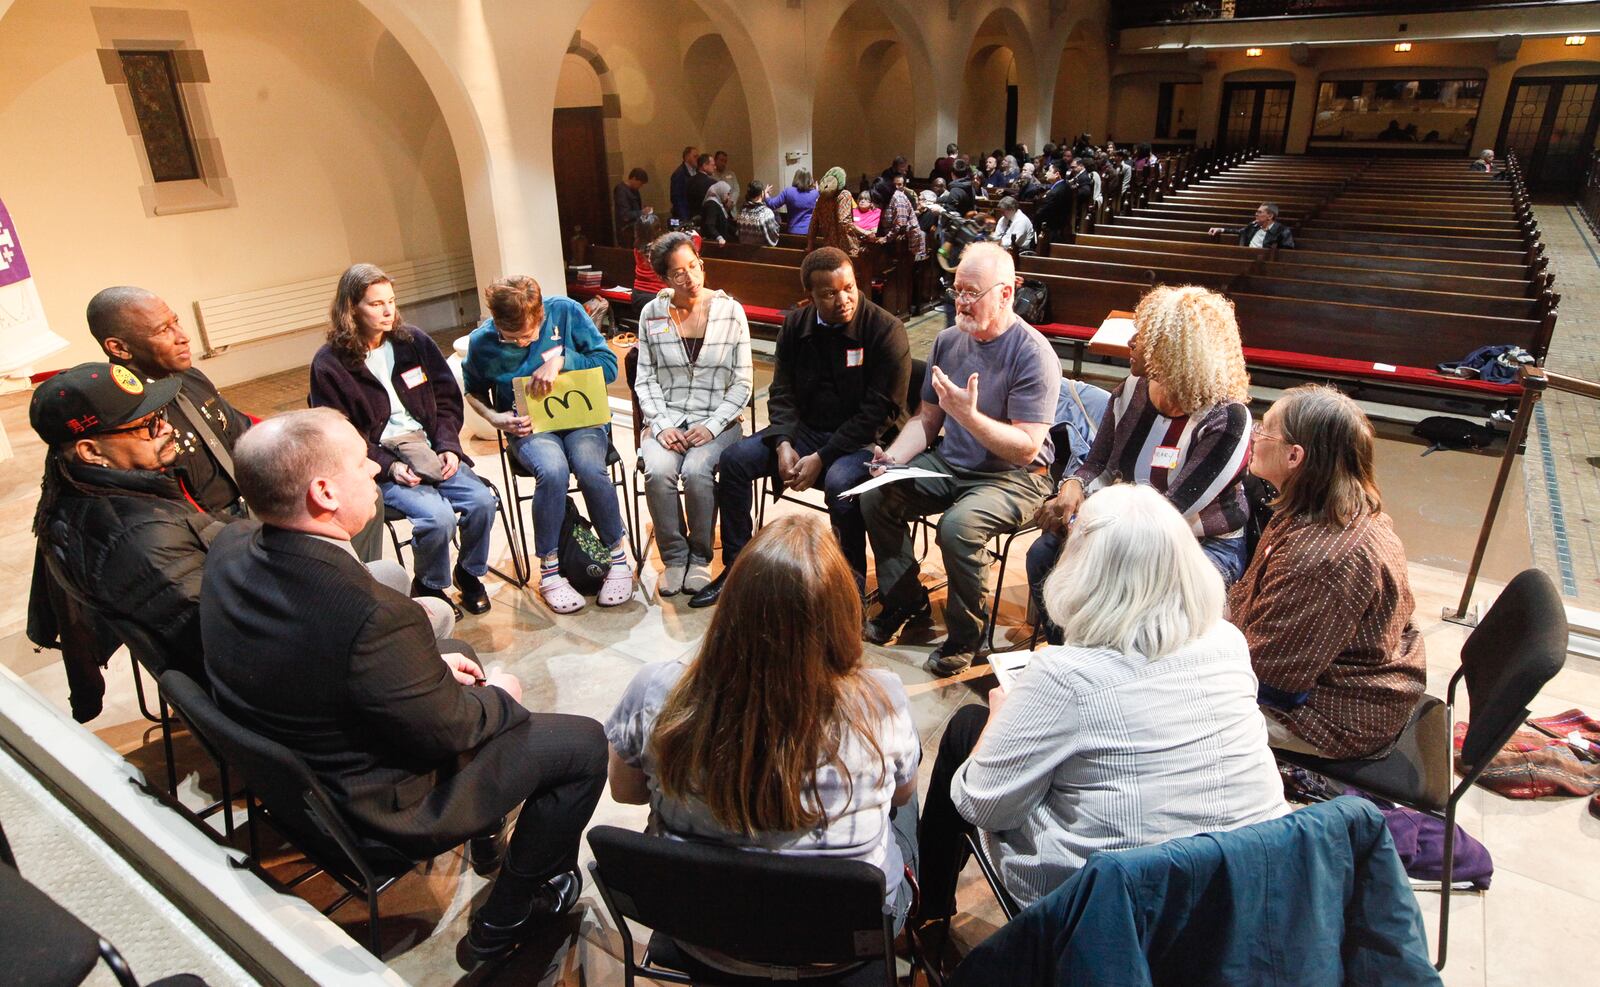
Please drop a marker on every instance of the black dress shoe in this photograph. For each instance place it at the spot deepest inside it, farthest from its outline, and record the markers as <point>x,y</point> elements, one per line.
<point>707,597</point>
<point>418,589</point>
<point>485,852</point>
<point>882,628</point>
<point>473,596</point>
<point>553,899</point>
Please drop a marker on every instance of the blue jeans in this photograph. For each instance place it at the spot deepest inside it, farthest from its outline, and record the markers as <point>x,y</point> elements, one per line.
<point>432,511</point>
<point>751,458</point>
<point>1227,554</point>
<point>553,457</point>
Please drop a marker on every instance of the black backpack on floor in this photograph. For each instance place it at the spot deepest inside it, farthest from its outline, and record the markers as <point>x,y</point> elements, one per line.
<point>583,559</point>
<point>1032,302</point>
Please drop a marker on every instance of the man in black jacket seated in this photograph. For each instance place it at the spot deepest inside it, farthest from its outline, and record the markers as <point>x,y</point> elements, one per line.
<point>421,750</point>
<point>138,330</point>
<point>838,387</point>
<point>1265,231</point>
<point>119,526</point>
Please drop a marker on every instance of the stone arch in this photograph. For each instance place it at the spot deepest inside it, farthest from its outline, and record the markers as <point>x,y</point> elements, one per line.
<point>610,104</point>
<point>1083,95</point>
<point>866,114</point>
<point>1000,54</point>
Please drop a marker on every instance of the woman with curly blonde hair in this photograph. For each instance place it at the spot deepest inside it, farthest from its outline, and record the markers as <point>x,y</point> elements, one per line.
<point>1180,422</point>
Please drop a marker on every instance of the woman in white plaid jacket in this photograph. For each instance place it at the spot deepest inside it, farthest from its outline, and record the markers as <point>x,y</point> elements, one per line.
<point>692,385</point>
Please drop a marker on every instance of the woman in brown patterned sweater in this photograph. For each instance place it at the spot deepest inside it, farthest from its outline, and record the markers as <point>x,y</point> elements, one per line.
<point>1325,604</point>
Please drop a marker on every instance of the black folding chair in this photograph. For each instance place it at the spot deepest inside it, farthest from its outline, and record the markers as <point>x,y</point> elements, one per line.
<point>765,486</point>
<point>514,474</point>
<point>44,945</point>
<point>281,789</point>
<point>1518,646</point>
<point>782,911</point>
<point>147,652</point>
<point>519,562</point>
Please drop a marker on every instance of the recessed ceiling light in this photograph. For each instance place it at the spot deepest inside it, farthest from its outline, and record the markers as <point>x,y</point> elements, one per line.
<point>1252,52</point>
<point>1573,40</point>
<point>1403,46</point>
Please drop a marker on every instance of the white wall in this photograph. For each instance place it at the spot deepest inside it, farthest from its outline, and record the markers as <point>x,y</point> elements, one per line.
<point>334,143</point>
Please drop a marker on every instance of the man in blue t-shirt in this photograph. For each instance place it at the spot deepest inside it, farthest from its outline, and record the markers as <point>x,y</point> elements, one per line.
<point>991,389</point>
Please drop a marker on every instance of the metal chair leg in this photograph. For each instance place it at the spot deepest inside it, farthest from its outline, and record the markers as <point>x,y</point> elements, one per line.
<point>166,746</point>
<point>1444,889</point>
<point>138,688</point>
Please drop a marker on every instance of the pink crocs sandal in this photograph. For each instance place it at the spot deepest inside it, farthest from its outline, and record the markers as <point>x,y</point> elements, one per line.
<point>559,595</point>
<point>617,588</point>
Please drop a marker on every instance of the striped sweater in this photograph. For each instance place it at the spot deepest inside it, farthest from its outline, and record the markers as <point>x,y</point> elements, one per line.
<point>1198,461</point>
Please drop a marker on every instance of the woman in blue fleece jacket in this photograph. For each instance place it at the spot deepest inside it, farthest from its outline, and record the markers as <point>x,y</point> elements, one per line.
<point>528,335</point>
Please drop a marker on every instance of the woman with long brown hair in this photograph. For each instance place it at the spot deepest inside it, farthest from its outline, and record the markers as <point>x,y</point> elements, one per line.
<point>1326,604</point>
<point>391,381</point>
<point>775,736</point>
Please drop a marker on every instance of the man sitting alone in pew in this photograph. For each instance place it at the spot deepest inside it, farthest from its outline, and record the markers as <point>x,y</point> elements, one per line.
<point>1264,231</point>
<point>1015,229</point>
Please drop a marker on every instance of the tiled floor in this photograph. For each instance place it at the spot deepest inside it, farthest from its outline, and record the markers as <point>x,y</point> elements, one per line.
<point>1531,924</point>
<point>1563,462</point>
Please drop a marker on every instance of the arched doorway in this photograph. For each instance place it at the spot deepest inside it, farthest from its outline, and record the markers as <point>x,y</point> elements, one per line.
<point>1082,101</point>
<point>670,78</point>
<point>866,114</point>
<point>583,132</point>
<point>997,101</point>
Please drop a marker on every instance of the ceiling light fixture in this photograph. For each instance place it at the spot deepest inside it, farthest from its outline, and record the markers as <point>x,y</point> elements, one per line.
<point>1574,40</point>
<point>1403,46</point>
<point>1252,52</point>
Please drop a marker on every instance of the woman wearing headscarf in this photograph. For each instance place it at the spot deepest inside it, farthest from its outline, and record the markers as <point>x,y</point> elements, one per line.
<point>833,224</point>
<point>717,224</point>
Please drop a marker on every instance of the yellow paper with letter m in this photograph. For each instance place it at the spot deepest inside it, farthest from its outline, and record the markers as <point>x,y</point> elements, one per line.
<point>578,400</point>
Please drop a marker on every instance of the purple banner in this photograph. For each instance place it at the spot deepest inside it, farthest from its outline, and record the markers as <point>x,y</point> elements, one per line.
<point>13,266</point>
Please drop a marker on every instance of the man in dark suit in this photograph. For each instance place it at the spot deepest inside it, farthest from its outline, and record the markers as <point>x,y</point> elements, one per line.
<point>699,184</point>
<point>680,185</point>
<point>420,749</point>
<point>1055,212</point>
<point>1265,231</point>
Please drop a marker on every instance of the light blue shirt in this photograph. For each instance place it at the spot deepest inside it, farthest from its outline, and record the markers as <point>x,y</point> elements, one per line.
<point>381,364</point>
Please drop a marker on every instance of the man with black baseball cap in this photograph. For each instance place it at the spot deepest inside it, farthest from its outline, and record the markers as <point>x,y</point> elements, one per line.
<point>118,529</point>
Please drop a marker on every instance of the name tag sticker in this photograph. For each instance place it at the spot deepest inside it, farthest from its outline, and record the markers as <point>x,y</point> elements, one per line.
<point>414,377</point>
<point>1164,458</point>
<point>855,357</point>
<point>1387,368</point>
<point>656,327</point>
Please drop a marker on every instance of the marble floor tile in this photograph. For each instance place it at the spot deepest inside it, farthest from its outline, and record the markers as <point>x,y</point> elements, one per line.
<point>1537,933</point>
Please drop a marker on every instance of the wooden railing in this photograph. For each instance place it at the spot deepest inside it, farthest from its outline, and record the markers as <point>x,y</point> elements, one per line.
<point>1589,194</point>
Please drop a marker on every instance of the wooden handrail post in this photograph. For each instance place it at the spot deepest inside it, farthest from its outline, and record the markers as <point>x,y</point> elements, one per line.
<point>1533,384</point>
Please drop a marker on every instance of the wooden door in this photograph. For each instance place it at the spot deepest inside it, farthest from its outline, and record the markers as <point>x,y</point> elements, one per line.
<point>1255,115</point>
<point>583,196</point>
<point>1551,124</point>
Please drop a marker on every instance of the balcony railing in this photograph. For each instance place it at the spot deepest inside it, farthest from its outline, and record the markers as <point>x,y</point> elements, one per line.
<point>1148,13</point>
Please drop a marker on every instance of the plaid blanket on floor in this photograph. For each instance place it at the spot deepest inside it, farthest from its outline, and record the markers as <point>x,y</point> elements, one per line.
<point>1534,764</point>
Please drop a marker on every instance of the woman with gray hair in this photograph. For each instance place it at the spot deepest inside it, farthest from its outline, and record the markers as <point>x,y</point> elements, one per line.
<point>1142,728</point>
